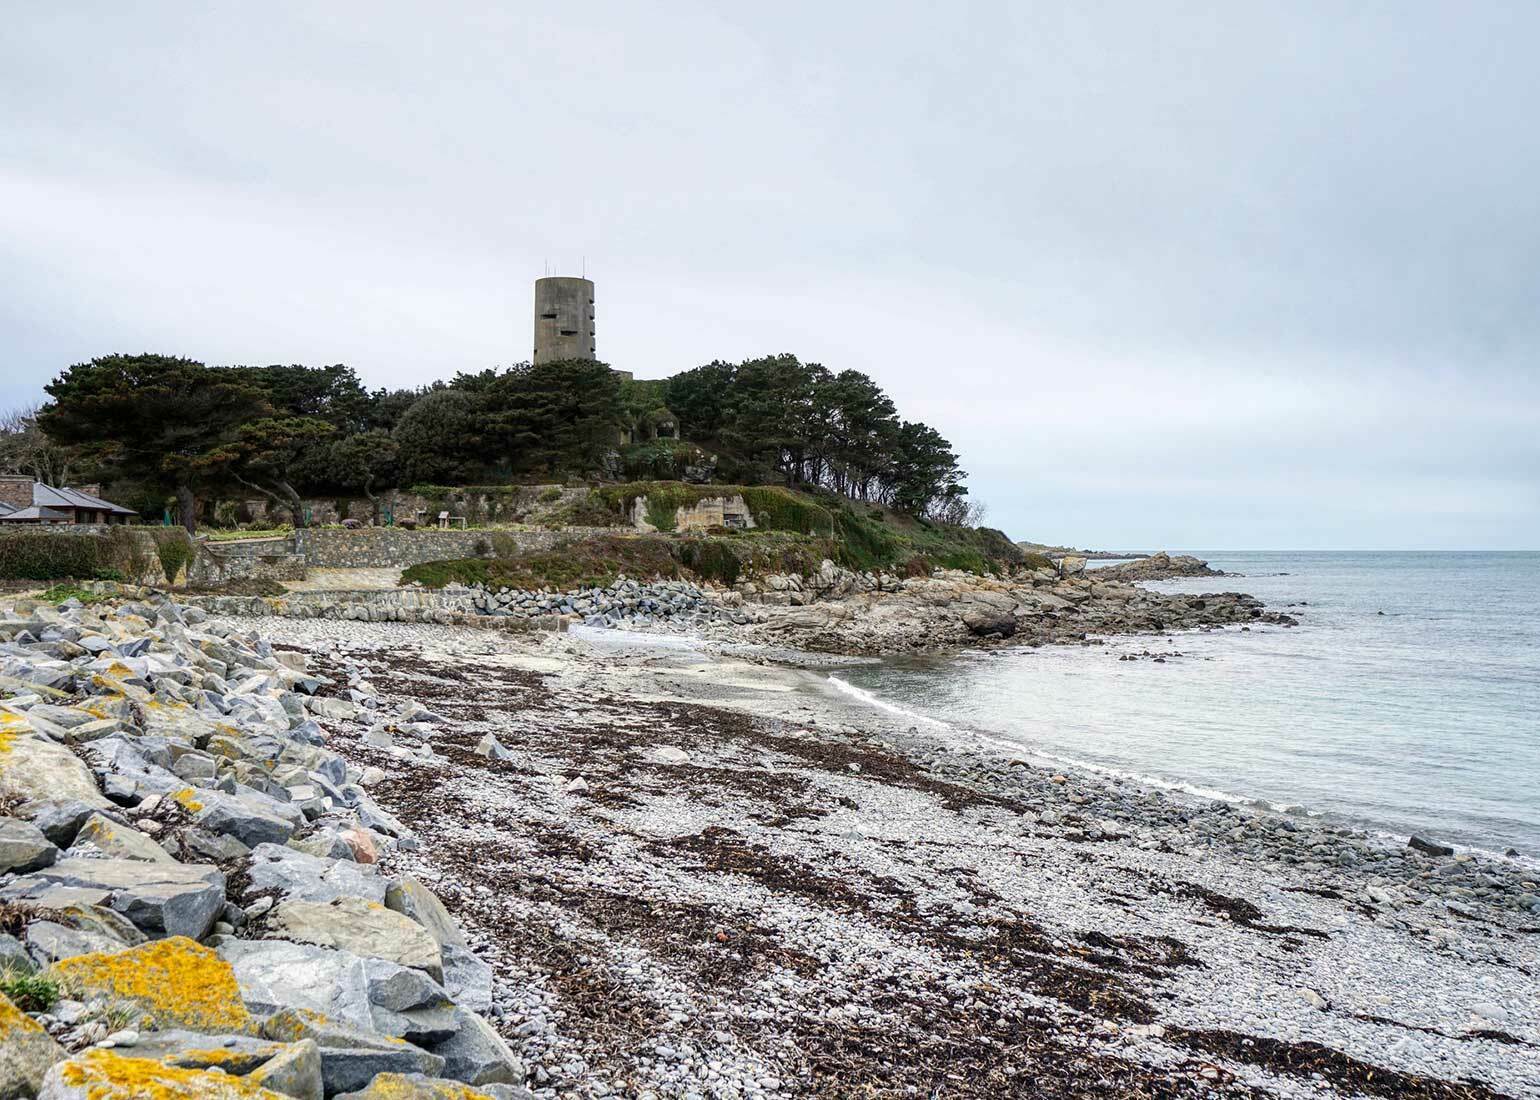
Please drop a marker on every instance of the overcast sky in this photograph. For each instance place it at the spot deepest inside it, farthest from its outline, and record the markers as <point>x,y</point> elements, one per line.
<point>1168,275</point>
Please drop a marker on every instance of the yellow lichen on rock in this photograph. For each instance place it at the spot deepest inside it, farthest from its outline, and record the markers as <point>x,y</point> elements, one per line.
<point>398,1086</point>
<point>14,1022</point>
<point>175,982</point>
<point>187,798</point>
<point>26,1051</point>
<point>108,1075</point>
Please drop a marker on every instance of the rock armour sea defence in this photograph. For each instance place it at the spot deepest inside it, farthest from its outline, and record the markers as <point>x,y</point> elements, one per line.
<point>187,878</point>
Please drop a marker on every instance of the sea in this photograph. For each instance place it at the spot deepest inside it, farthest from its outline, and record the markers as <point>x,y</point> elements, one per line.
<point>1406,701</point>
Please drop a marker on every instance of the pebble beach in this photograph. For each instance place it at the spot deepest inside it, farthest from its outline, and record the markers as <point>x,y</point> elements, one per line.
<point>700,874</point>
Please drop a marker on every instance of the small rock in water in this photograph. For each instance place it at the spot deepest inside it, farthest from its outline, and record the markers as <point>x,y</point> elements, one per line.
<point>1429,847</point>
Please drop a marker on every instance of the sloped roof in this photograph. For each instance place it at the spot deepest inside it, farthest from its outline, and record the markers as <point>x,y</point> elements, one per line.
<point>46,496</point>
<point>21,515</point>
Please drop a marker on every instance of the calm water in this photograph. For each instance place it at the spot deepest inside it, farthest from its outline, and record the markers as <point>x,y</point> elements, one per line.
<point>1425,718</point>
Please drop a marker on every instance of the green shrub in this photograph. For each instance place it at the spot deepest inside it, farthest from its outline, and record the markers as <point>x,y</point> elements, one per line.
<point>710,559</point>
<point>45,556</point>
<point>659,459</point>
<point>29,992</point>
<point>248,533</point>
<point>175,549</point>
<point>61,592</point>
<point>590,510</point>
<point>583,564</point>
<point>550,496</point>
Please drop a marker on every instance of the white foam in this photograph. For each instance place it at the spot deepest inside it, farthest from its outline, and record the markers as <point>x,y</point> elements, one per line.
<point>879,703</point>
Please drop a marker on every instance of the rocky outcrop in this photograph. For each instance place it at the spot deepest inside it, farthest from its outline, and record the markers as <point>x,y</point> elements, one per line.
<point>1158,567</point>
<point>855,614</point>
<point>200,875</point>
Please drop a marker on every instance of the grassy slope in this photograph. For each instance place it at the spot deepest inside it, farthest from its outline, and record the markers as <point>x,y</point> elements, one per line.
<point>795,531</point>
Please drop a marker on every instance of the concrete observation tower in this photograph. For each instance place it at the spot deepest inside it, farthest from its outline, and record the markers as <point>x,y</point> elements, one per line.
<point>564,319</point>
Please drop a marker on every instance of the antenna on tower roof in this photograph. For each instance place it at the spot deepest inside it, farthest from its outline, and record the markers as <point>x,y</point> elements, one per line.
<point>585,267</point>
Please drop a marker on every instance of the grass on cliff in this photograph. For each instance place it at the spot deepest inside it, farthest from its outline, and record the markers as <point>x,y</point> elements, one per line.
<point>723,557</point>
<point>587,563</point>
<point>720,556</point>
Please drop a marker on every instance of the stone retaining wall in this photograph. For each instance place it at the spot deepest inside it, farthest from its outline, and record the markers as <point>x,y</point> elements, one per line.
<point>399,605</point>
<point>381,547</point>
<point>257,559</point>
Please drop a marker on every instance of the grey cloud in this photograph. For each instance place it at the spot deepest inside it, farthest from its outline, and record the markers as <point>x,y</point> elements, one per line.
<point>1136,260</point>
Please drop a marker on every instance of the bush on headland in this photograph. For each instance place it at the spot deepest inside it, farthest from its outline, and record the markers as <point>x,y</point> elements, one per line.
<point>793,534</point>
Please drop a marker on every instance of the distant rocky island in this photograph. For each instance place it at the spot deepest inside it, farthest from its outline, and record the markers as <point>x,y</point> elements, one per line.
<point>1089,555</point>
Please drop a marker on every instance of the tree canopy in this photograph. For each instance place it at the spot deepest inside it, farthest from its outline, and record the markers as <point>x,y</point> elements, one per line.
<point>287,431</point>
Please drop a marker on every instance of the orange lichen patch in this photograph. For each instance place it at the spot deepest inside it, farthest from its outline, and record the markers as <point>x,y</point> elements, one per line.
<point>397,1086</point>
<point>290,1025</point>
<point>10,726</point>
<point>176,982</point>
<point>108,1075</point>
<point>14,1022</point>
<point>187,798</point>
<point>109,685</point>
<point>229,1059</point>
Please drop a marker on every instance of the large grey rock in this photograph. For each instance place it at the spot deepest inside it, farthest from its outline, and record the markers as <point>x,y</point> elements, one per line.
<point>214,847</point>
<point>26,1052</point>
<point>295,1071</point>
<point>476,1054</point>
<point>234,1053</point>
<point>467,977</point>
<point>95,731</point>
<point>32,769</point>
<point>312,878</point>
<point>171,899</point>
<point>247,819</point>
<point>119,841</point>
<point>366,993</point>
<point>351,1057</point>
<point>58,819</point>
<point>364,928</point>
<point>23,847</point>
<point>331,707</point>
<point>409,896</point>
<point>51,942</point>
<point>13,955</point>
<point>67,717</point>
<point>275,974</point>
<point>414,1086</point>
